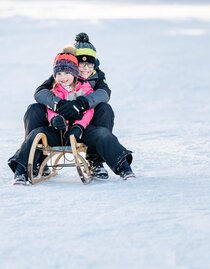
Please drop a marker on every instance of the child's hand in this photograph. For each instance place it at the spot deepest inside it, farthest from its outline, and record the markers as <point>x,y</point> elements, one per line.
<point>71,109</point>
<point>58,123</point>
<point>77,131</point>
<point>68,109</point>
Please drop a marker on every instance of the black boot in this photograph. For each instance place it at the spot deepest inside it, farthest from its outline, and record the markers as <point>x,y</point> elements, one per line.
<point>38,162</point>
<point>96,165</point>
<point>98,170</point>
<point>46,170</point>
<point>124,170</point>
<point>20,177</point>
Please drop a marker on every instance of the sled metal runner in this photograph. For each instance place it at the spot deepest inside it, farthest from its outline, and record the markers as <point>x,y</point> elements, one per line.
<point>53,159</point>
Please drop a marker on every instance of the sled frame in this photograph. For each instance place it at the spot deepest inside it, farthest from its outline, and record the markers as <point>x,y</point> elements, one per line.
<point>54,155</point>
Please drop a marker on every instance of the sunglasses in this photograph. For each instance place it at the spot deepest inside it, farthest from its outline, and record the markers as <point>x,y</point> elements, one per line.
<point>89,65</point>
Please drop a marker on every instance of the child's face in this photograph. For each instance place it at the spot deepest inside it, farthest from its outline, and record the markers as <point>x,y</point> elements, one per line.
<point>85,69</point>
<point>64,78</point>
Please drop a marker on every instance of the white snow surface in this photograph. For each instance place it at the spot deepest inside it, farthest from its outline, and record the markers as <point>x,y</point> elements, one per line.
<point>158,71</point>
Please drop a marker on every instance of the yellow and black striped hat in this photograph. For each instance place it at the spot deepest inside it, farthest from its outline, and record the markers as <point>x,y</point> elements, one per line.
<point>85,52</point>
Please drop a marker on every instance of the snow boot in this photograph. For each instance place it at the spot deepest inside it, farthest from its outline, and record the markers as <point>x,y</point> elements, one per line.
<point>125,171</point>
<point>98,171</point>
<point>46,171</point>
<point>20,177</point>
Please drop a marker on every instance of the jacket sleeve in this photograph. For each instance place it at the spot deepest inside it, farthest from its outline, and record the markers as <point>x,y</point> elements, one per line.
<point>101,92</point>
<point>44,96</point>
<point>87,117</point>
<point>50,114</point>
<point>47,84</point>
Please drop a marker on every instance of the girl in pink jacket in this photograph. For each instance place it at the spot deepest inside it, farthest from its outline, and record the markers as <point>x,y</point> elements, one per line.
<point>67,88</point>
<point>66,72</point>
<point>68,93</point>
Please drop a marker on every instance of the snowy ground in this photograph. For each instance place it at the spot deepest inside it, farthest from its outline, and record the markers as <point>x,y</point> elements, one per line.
<point>158,71</point>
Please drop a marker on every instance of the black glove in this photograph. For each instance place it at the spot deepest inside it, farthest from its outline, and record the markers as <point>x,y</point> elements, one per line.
<point>69,109</point>
<point>77,131</point>
<point>73,109</point>
<point>83,103</point>
<point>58,122</point>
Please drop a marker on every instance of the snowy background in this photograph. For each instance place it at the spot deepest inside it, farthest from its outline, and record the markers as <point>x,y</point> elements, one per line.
<point>157,62</point>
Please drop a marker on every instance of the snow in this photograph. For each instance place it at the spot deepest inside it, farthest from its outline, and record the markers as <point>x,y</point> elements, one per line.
<point>61,10</point>
<point>158,70</point>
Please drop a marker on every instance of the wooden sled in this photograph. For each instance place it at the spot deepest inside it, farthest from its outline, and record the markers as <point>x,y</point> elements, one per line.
<point>53,156</point>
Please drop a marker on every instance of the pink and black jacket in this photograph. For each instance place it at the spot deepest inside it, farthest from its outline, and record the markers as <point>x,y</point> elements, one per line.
<point>63,93</point>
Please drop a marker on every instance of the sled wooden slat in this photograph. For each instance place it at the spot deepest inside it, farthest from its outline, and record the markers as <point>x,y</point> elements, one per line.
<point>54,155</point>
<point>68,149</point>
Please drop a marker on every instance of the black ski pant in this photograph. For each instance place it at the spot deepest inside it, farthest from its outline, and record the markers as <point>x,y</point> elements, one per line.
<point>36,116</point>
<point>22,155</point>
<point>106,145</point>
<point>100,138</point>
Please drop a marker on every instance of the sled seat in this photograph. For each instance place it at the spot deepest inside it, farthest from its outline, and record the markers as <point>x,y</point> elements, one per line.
<point>53,159</point>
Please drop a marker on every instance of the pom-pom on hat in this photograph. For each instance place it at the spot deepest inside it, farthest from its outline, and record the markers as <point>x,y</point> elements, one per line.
<point>85,52</point>
<point>66,62</point>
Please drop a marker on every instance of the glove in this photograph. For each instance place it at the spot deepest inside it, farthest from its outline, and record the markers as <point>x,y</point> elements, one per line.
<point>58,122</point>
<point>73,109</point>
<point>69,109</point>
<point>82,103</point>
<point>77,131</point>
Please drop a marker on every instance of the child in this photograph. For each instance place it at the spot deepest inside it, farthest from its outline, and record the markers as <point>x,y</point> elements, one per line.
<point>65,72</point>
<point>98,139</point>
<point>103,113</point>
<point>67,88</point>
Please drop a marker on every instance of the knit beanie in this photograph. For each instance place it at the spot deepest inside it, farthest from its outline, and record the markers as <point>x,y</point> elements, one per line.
<point>86,52</point>
<point>66,62</point>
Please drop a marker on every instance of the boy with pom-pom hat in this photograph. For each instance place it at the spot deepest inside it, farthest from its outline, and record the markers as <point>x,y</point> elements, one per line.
<point>103,114</point>
<point>86,55</point>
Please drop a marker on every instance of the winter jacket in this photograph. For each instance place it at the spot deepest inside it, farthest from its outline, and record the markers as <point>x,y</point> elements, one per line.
<point>63,93</point>
<point>97,80</point>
